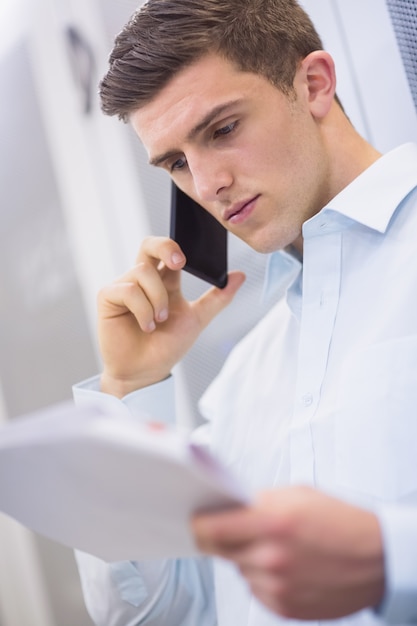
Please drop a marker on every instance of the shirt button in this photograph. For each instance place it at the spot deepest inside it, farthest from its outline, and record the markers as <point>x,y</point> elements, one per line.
<point>307,399</point>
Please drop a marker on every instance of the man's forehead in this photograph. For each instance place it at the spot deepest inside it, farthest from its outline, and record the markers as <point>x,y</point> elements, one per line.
<point>190,101</point>
<point>190,132</point>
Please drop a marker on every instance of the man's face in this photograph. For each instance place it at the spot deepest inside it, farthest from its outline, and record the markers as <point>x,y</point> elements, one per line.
<point>251,156</point>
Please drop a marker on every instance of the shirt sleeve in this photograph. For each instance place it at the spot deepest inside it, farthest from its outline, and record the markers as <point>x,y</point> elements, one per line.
<point>173,592</point>
<point>399,530</point>
<point>156,402</point>
<point>153,593</point>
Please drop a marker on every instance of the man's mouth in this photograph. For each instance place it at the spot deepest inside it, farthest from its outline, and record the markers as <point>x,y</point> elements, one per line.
<point>239,210</point>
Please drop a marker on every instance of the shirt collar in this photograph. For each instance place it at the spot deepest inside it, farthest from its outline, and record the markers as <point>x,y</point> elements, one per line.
<point>281,270</point>
<point>371,199</point>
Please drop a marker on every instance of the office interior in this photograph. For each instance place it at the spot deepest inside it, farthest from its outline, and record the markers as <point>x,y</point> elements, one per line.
<point>78,197</point>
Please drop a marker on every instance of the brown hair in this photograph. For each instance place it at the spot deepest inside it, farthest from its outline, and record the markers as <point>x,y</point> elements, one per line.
<point>267,37</point>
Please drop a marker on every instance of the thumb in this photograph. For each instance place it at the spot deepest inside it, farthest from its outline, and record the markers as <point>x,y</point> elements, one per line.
<point>215,300</point>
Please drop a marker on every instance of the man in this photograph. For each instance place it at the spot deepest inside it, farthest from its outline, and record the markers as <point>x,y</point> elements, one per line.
<point>314,409</point>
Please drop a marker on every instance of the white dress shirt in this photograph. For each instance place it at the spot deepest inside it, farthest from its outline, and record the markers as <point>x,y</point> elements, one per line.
<point>322,392</point>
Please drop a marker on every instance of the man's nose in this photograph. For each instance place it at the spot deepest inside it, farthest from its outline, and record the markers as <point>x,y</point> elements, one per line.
<point>210,177</point>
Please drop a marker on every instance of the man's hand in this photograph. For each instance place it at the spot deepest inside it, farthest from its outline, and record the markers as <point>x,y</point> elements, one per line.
<point>145,324</point>
<point>304,554</point>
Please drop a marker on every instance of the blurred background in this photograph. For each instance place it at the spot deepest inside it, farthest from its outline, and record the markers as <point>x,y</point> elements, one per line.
<point>77,197</point>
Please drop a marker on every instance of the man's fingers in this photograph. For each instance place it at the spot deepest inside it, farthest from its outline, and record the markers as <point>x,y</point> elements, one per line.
<point>140,291</point>
<point>218,533</point>
<point>161,249</point>
<point>215,300</point>
<point>230,531</point>
<point>121,298</point>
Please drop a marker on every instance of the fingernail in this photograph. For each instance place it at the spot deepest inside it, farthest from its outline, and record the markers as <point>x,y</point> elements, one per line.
<point>151,326</point>
<point>177,258</point>
<point>163,315</point>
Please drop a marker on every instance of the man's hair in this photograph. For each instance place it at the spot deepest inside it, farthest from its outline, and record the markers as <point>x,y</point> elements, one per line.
<point>267,37</point>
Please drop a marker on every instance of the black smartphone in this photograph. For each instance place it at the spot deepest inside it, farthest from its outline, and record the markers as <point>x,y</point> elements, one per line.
<point>201,237</point>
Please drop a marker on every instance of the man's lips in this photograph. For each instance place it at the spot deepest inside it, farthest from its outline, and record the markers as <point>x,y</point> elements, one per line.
<point>238,208</point>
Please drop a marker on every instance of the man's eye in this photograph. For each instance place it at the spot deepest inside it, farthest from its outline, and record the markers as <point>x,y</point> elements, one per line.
<point>179,164</point>
<point>225,130</point>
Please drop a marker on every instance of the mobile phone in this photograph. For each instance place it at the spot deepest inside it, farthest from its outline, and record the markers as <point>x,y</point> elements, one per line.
<point>201,237</point>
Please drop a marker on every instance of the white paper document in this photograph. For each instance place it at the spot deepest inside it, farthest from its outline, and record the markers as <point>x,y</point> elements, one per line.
<point>108,484</point>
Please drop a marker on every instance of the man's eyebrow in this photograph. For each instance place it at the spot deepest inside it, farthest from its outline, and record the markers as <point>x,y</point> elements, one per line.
<point>210,116</point>
<point>198,128</point>
<point>160,158</point>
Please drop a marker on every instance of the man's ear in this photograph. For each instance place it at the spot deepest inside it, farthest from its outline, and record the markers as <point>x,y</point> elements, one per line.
<point>318,73</point>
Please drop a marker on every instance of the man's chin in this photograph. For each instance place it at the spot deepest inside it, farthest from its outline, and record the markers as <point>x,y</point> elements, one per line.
<point>267,245</point>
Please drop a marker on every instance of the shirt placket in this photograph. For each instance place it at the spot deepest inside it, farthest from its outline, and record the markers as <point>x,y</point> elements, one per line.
<point>320,297</point>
